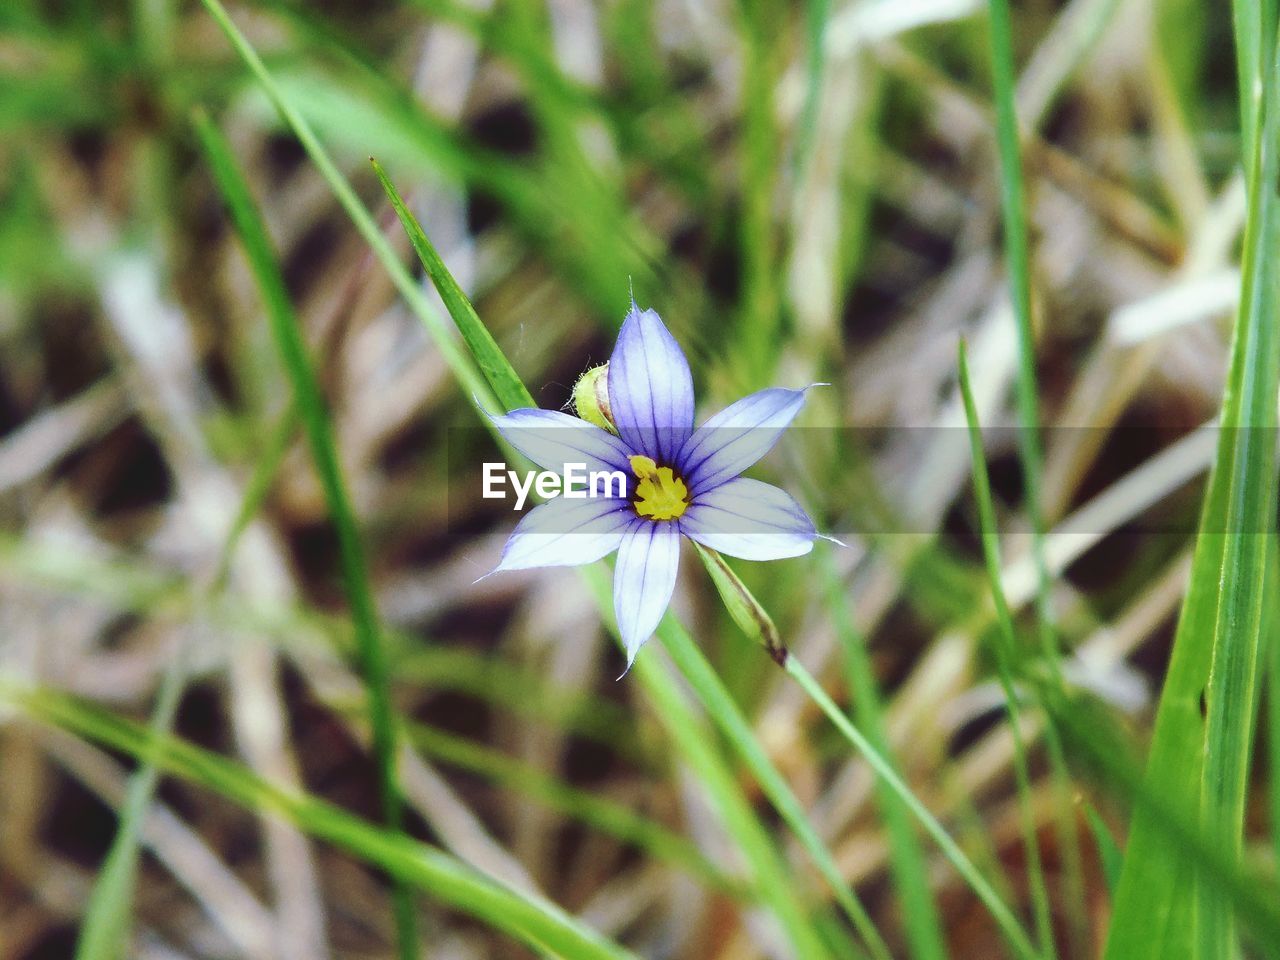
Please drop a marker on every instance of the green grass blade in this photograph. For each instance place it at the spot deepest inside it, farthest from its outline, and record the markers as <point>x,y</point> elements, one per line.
<point>104,930</point>
<point>526,917</point>
<point>1018,261</point>
<point>720,706</point>
<point>1014,934</point>
<point>817,13</point>
<point>507,386</point>
<point>315,421</point>
<point>1255,26</point>
<point>1006,652</point>
<point>1109,851</point>
<point>605,815</point>
<point>454,356</point>
<point>919,908</point>
<point>1271,655</point>
<point>1200,751</point>
<point>770,878</point>
<point>757,347</point>
<point>1013,207</point>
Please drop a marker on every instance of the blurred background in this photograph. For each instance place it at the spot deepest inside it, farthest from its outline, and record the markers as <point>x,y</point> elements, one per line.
<point>804,192</point>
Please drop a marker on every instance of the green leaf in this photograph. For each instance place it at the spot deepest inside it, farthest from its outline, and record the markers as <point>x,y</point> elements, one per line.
<point>507,386</point>
<point>1200,752</point>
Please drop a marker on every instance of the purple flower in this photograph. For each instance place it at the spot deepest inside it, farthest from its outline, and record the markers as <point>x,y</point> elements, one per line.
<point>679,480</point>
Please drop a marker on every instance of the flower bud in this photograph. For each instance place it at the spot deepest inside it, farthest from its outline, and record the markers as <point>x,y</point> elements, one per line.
<point>591,398</point>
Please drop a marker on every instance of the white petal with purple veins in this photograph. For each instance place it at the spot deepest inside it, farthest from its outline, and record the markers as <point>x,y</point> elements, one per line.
<point>650,387</point>
<point>643,581</point>
<point>751,520</point>
<point>736,437</point>
<point>552,439</point>
<point>566,533</point>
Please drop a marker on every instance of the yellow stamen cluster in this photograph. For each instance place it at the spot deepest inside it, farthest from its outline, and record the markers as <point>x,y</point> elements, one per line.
<point>660,494</point>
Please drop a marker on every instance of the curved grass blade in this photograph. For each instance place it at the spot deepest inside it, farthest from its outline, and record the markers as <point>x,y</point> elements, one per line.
<point>1109,851</point>
<point>1204,726</point>
<point>315,420</point>
<point>526,917</point>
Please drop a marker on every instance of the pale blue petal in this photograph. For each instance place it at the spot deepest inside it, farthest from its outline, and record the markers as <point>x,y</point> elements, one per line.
<point>736,437</point>
<point>751,520</point>
<point>552,439</point>
<point>566,532</point>
<point>650,387</point>
<point>644,580</point>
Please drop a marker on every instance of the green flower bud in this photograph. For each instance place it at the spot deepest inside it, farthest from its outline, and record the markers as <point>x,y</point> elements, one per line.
<point>591,398</point>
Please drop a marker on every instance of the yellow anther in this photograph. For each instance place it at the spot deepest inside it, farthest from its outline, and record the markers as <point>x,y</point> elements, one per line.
<point>660,494</point>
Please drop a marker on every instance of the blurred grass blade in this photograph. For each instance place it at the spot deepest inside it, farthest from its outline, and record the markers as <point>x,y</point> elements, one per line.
<point>601,813</point>
<point>1200,751</point>
<point>529,918</point>
<point>1109,852</point>
<point>315,420</point>
<point>1017,260</point>
<point>756,343</point>
<point>454,356</point>
<point>817,13</point>
<point>1006,652</point>
<point>1255,28</point>
<point>910,870</point>
<point>104,931</point>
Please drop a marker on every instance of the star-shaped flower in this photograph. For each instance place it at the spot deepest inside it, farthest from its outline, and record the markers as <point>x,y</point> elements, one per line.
<point>680,480</point>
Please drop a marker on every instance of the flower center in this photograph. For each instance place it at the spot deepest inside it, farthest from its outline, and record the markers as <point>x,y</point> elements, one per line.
<point>660,494</point>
